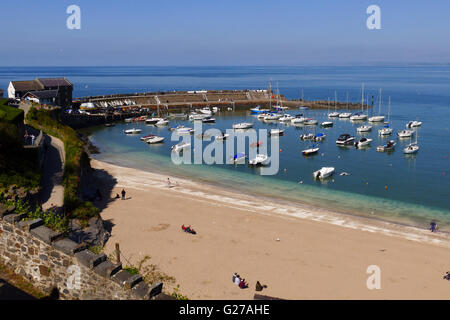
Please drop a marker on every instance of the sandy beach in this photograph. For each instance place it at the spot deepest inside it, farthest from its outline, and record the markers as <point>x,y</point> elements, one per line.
<point>299,252</point>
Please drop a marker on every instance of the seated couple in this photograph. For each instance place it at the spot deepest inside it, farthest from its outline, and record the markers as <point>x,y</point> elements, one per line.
<point>239,282</point>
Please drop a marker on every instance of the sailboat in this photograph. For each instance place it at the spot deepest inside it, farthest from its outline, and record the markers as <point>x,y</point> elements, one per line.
<point>345,114</point>
<point>360,116</point>
<point>411,148</point>
<point>387,130</point>
<point>335,113</point>
<point>379,117</point>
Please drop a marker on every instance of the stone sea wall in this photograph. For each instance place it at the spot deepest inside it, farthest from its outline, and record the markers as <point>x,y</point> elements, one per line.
<point>50,261</point>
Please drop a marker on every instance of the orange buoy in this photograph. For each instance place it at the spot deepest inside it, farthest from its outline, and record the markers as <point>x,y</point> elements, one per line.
<point>385,187</point>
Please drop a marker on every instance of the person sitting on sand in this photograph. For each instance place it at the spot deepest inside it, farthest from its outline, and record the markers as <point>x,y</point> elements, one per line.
<point>242,284</point>
<point>117,196</point>
<point>237,280</point>
<point>447,275</point>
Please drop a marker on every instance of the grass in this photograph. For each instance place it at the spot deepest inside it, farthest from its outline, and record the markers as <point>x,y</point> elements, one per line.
<point>75,159</point>
<point>10,114</point>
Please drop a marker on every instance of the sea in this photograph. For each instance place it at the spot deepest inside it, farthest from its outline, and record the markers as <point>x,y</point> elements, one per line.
<point>399,188</point>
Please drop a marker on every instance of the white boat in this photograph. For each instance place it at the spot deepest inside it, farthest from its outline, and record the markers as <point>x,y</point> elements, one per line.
<point>153,120</point>
<point>319,137</point>
<point>215,109</point>
<point>411,148</point>
<point>272,117</point>
<point>334,114</point>
<point>326,124</point>
<point>413,124</point>
<point>144,138</point>
<point>184,130</point>
<point>405,133</point>
<point>128,120</point>
<point>208,120</point>
<point>323,173</point>
<point>176,128</point>
<point>206,111</point>
<point>261,116</point>
<point>286,118</point>
<point>307,136</point>
<point>243,125</point>
<point>363,142</point>
<point>258,110</point>
<point>345,139</point>
<point>239,158</point>
<point>385,131</point>
<point>196,117</point>
<point>345,115</point>
<point>389,146</point>
<point>310,122</point>
<point>162,123</point>
<point>224,136</point>
<point>132,131</point>
<point>364,128</point>
<point>260,159</point>
<point>379,117</point>
<point>154,139</point>
<point>311,150</point>
<point>276,132</point>
<point>180,146</point>
<point>360,116</point>
<point>299,119</point>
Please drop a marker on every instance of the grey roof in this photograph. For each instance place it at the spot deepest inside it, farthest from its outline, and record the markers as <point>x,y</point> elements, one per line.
<point>29,85</point>
<point>45,94</point>
<point>54,82</point>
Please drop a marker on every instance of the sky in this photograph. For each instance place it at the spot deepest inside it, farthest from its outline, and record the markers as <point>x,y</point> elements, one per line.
<point>223,33</point>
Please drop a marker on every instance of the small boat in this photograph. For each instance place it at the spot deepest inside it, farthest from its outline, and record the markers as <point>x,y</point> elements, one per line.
<point>405,133</point>
<point>260,159</point>
<point>153,120</point>
<point>242,125</point>
<point>280,108</point>
<point>154,139</point>
<point>176,128</point>
<point>215,109</point>
<point>333,115</point>
<point>128,120</point>
<point>180,146</point>
<point>298,119</point>
<point>379,117</point>
<point>345,139</point>
<point>147,137</point>
<point>363,142</point>
<point>358,117</point>
<point>208,120</point>
<point>132,131</point>
<point>389,146</point>
<point>319,137</point>
<point>224,136</point>
<point>261,116</point>
<point>326,124</point>
<point>323,173</point>
<point>272,117</point>
<point>239,157</point>
<point>365,128</point>
<point>310,122</point>
<point>385,131</point>
<point>206,111</point>
<point>345,115</point>
<point>311,150</point>
<point>411,148</point>
<point>109,124</point>
<point>185,131</point>
<point>286,118</point>
<point>413,124</point>
<point>276,132</point>
<point>196,117</point>
<point>307,136</point>
<point>162,123</point>
<point>258,110</point>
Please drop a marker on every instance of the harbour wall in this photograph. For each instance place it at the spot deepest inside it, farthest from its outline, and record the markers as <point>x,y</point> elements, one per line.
<point>49,260</point>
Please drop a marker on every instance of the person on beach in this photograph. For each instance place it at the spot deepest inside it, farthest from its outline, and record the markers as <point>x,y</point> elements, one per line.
<point>433,226</point>
<point>237,280</point>
<point>123,194</point>
<point>447,275</point>
<point>168,182</point>
<point>243,284</point>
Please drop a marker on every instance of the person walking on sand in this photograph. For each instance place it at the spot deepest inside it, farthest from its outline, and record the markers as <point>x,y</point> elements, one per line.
<point>168,183</point>
<point>123,194</point>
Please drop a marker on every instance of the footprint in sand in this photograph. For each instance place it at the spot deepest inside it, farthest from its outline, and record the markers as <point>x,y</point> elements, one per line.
<point>159,227</point>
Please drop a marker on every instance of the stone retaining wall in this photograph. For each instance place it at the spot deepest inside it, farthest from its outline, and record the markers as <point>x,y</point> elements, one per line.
<point>50,260</point>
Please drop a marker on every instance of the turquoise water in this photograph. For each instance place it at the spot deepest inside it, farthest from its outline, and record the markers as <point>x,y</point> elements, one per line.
<point>418,187</point>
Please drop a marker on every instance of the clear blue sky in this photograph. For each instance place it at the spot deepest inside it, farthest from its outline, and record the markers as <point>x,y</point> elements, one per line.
<point>215,32</point>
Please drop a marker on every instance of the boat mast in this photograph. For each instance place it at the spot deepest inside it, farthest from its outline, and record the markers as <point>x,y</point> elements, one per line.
<point>379,104</point>
<point>362,97</point>
<point>347,100</point>
<point>335,98</point>
<point>389,110</point>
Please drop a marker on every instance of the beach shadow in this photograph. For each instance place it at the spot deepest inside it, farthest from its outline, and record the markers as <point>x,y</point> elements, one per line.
<point>99,179</point>
<point>108,224</point>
